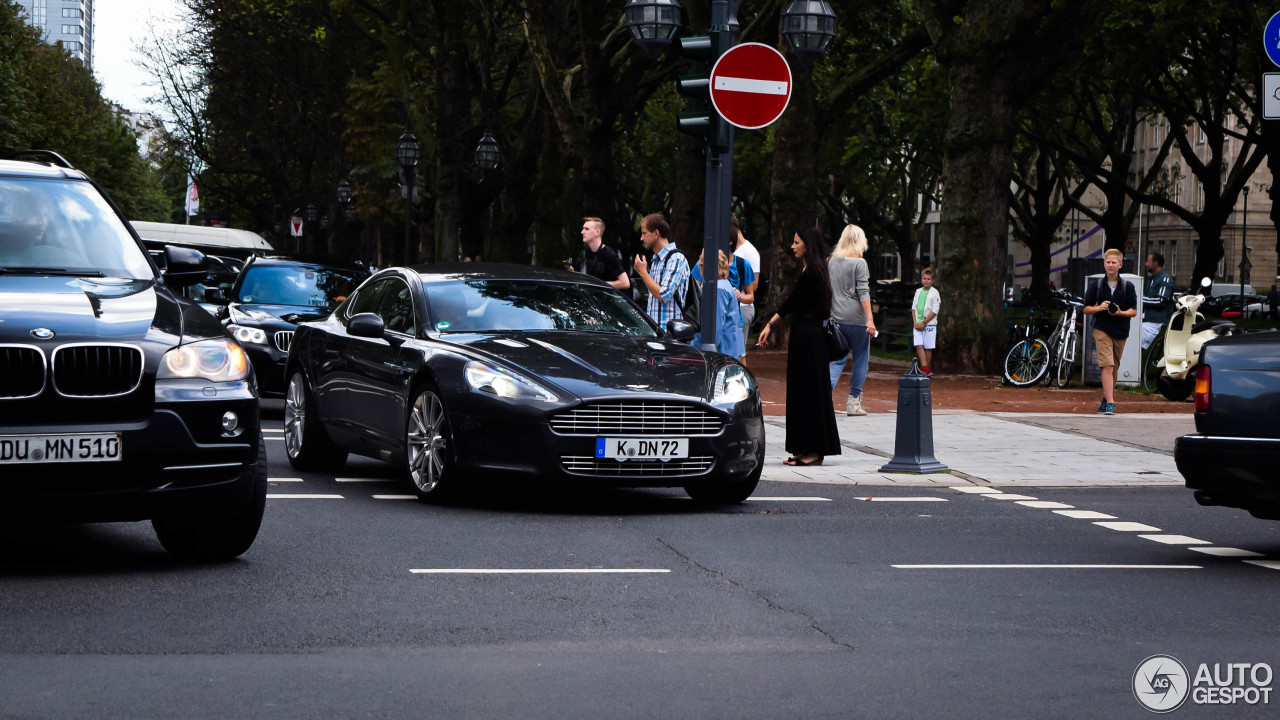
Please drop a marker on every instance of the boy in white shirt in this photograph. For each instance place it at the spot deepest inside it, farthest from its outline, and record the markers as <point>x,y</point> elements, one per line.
<point>924,318</point>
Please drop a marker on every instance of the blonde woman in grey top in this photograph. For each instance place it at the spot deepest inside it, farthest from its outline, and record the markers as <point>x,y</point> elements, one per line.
<point>851,310</point>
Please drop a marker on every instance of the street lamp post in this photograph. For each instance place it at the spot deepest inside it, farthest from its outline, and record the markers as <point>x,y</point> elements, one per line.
<point>1244,249</point>
<point>488,153</point>
<point>407,155</point>
<point>311,215</point>
<point>807,27</point>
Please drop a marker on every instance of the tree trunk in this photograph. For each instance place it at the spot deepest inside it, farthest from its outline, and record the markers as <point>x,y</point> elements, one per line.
<point>976,175</point>
<point>794,184</point>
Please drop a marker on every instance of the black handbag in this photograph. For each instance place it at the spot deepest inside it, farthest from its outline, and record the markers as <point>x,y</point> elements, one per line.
<point>837,343</point>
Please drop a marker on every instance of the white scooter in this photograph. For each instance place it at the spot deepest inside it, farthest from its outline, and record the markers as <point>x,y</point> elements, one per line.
<point>1186,332</point>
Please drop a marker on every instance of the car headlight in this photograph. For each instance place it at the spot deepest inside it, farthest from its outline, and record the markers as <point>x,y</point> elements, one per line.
<point>733,384</point>
<point>247,334</point>
<point>486,378</point>
<point>218,360</point>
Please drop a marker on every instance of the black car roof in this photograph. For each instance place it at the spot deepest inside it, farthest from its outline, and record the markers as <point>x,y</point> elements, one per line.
<point>304,262</point>
<point>443,272</point>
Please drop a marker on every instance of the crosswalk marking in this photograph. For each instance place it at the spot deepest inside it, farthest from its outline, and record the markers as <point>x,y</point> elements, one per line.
<point>1269,564</point>
<point>975,490</point>
<point>1044,504</point>
<point>1008,496</point>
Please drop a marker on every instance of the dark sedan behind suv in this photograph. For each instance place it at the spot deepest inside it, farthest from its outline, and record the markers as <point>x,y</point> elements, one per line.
<point>119,399</point>
<point>270,297</point>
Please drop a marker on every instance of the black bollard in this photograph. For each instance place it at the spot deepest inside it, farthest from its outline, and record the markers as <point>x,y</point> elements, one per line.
<point>913,444</point>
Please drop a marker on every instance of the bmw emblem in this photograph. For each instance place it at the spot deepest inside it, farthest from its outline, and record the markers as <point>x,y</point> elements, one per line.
<point>42,333</point>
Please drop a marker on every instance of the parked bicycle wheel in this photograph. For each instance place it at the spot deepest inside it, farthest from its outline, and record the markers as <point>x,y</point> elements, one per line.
<point>1065,366</point>
<point>1026,362</point>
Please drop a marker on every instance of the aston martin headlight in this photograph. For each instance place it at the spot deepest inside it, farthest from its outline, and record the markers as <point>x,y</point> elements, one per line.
<point>218,360</point>
<point>732,385</point>
<point>504,384</point>
<point>247,334</point>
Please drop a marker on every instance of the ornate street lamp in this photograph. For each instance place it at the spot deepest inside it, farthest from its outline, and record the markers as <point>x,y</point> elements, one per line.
<point>312,212</point>
<point>488,154</point>
<point>808,27</point>
<point>407,155</point>
<point>653,23</point>
<point>344,191</point>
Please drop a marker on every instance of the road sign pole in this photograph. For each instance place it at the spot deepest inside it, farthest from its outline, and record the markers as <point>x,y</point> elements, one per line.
<point>717,200</point>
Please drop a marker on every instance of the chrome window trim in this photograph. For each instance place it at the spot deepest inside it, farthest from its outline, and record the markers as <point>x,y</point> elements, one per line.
<point>44,376</point>
<point>142,367</point>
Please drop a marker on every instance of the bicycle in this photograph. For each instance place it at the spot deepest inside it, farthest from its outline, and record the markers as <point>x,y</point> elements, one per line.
<point>1064,343</point>
<point>1027,359</point>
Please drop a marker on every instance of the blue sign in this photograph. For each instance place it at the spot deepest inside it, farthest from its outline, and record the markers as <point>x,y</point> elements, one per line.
<point>1271,39</point>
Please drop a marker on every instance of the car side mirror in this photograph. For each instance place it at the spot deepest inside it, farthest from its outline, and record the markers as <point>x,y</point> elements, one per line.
<point>680,330</point>
<point>184,266</point>
<point>366,325</point>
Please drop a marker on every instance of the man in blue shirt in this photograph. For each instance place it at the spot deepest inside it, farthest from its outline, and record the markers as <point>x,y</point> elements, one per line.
<point>670,277</point>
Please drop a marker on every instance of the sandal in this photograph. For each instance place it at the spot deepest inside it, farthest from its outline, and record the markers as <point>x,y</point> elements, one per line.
<point>797,462</point>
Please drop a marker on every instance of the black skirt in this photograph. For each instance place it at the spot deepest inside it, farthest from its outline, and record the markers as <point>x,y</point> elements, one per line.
<point>811,418</point>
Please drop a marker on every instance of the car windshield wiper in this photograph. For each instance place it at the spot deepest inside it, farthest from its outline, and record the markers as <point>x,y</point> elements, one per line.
<point>18,270</point>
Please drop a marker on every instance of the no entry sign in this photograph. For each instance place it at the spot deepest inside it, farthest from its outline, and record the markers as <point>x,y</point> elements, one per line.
<point>751,85</point>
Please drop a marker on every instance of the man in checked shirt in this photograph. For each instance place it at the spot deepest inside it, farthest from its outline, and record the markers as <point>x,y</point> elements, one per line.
<point>670,275</point>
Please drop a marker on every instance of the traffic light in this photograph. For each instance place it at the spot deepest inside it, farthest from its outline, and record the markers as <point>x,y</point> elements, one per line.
<point>702,120</point>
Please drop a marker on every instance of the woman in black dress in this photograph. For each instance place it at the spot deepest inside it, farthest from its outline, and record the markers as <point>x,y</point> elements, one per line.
<point>811,420</point>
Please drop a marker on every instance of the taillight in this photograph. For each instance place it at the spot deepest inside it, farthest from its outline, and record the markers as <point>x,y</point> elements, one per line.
<point>1204,384</point>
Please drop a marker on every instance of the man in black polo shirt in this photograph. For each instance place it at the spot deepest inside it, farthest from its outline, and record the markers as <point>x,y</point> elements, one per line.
<point>1111,303</point>
<point>599,260</point>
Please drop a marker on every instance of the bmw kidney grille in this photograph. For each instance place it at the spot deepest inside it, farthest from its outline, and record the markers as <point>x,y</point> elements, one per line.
<point>96,370</point>
<point>22,371</point>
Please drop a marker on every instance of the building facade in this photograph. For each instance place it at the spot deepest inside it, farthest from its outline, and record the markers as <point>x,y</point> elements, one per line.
<point>69,22</point>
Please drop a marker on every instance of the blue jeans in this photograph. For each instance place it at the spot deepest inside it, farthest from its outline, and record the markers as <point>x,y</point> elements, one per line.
<point>860,349</point>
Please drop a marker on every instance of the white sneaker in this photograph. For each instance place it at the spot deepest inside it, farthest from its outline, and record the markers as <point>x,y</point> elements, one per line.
<point>854,406</point>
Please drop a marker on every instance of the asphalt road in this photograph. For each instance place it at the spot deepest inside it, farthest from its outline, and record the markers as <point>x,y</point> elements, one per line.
<point>807,601</point>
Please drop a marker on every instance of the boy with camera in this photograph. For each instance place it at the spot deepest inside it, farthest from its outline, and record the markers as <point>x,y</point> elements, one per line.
<point>1111,303</point>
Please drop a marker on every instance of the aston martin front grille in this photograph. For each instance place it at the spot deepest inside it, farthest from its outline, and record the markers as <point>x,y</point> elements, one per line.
<point>283,340</point>
<point>594,467</point>
<point>637,418</point>
<point>96,370</point>
<point>21,371</point>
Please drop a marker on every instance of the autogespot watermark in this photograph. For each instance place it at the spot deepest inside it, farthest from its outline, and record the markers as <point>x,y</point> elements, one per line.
<point>1162,684</point>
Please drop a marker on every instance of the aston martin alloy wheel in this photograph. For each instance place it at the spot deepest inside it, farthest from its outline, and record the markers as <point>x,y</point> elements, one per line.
<point>427,450</point>
<point>305,442</point>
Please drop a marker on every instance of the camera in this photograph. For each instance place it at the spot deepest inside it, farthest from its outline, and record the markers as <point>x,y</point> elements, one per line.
<point>1112,308</point>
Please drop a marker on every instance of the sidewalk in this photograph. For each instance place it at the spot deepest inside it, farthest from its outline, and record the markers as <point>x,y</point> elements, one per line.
<point>1004,449</point>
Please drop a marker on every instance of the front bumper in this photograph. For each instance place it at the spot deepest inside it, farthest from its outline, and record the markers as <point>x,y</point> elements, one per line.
<point>269,365</point>
<point>1230,471</point>
<point>520,441</point>
<point>178,457</point>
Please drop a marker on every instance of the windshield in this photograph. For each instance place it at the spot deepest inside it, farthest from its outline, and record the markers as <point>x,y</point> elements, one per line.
<point>526,305</point>
<point>67,227</point>
<point>296,285</point>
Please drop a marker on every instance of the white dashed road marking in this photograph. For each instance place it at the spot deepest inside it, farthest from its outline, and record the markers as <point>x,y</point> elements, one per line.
<point>972,490</point>
<point>536,571</point>
<point>1127,526</point>
<point>1085,514</point>
<point>301,496</point>
<point>1175,540</point>
<point>1226,552</point>
<point>1054,566</point>
<point>887,498</point>
<point>1044,504</point>
<point>1269,564</point>
<point>1009,496</point>
<point>395,497</point>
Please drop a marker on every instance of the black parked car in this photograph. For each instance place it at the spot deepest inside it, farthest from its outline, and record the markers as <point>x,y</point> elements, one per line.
<point>119,399</point>
<point>268,300</point>
<point>457,370</point>
<point>1232,457</point>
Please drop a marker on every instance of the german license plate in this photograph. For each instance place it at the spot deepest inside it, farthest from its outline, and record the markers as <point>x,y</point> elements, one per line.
<point>642,448</point>
<point>87,447</point>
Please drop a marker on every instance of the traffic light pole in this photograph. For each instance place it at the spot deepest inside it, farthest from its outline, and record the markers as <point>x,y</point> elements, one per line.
<point>718,199</point>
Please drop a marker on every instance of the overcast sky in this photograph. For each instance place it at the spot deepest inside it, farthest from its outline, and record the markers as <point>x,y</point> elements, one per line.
<point>119,27</point>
